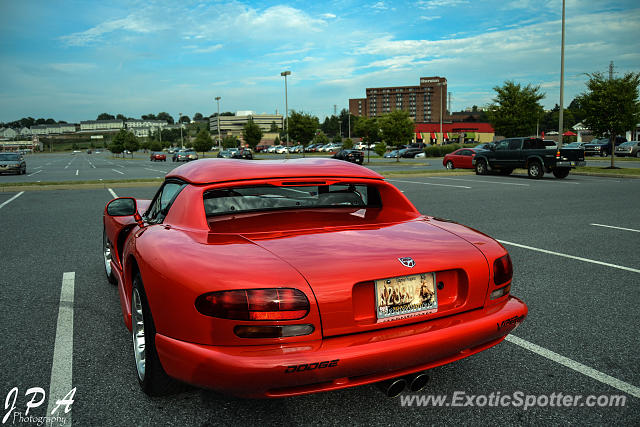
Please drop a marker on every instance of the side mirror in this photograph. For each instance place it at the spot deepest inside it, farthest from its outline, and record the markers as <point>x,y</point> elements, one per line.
<point>123,206</point>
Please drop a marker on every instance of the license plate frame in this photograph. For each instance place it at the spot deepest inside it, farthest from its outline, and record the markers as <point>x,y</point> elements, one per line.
<point>407,296</point>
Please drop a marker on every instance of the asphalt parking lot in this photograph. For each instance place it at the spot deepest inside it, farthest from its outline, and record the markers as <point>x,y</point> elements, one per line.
<point>574,245</point>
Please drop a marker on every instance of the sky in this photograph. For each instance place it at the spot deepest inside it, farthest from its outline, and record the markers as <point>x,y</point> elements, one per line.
<point>73,60</point>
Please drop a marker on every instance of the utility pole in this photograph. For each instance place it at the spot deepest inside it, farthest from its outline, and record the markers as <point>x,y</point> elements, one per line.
<point>612,138</point>
<point>217,98</point>
<point>286,106</point>
<point>560,116</point>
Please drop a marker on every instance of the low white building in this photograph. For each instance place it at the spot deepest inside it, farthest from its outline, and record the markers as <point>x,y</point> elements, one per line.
<point>101,125</point>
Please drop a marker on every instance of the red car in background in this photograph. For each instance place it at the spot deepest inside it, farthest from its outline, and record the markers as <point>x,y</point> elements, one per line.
<point>240,276</point>
<point>460,159</point>
<point>158,157</point>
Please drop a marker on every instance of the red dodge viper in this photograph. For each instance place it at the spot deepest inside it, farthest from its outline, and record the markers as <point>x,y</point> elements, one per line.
<point>299,276</point>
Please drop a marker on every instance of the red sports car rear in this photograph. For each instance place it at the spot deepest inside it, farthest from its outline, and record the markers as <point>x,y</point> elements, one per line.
<point>298,277</point>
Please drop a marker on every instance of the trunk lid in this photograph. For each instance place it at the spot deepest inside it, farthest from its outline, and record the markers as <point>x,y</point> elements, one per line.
<point>342,264</point>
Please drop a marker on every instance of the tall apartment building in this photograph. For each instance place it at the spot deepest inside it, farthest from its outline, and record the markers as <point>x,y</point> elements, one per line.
<point>424,102</point>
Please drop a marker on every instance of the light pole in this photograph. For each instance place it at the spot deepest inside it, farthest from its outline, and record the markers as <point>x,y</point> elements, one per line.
<point>217,98</point>
<point>560,118</point>
<point>181,140</point>
<point>286,103</point>
<point>441,134</point>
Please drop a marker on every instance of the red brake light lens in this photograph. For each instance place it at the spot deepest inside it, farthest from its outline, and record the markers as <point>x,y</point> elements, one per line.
<point>502,270</point>
<point>255,304</point>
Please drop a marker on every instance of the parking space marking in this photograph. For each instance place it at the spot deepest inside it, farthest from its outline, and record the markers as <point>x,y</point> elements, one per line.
<point>62,368</point>
<point>155,170</point>
<point>116,170</point>
<point>77,170</point>
<point>592,261</point>
<point>11,199</point>
<point>35,173</point>
<point>576,366</point>
<point>477,180</point>
<point>617,228</point>
<point>113,193</point>
<point>430,183</point>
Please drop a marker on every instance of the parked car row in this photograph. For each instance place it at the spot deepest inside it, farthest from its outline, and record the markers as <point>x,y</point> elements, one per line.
<point>236,153</point>
<point>184,156</point>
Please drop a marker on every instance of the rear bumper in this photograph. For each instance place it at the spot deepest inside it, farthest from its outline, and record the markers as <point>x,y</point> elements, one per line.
<point>571,164</point>
<point>294,369</point>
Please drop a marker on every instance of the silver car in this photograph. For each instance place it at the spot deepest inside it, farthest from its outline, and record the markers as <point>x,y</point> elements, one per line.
<point>12,162</point>
<point>629,148</point>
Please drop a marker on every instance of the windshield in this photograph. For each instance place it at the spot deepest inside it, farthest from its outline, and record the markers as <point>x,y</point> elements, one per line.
<point>234,200</point>
<point>9,156</point>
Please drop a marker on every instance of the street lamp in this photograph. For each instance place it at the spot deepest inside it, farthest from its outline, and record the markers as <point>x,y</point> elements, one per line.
<point>560,116</point>
<point>286,104</point>
<point>441,134</point>
<point>181,140</point>
<point>217,98</point>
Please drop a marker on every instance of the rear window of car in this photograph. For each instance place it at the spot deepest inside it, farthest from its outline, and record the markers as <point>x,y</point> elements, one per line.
<point>226,201</point>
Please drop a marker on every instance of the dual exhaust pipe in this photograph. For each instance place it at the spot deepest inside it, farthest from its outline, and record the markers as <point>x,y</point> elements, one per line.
<point>395,386</point>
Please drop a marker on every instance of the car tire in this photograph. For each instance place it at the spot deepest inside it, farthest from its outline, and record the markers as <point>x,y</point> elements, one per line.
<point>152,378</point>
<point>561,172</point>
<point>481,167</point>
<point>535,169</point>
<point>106,253</point>
<point>450,165</point>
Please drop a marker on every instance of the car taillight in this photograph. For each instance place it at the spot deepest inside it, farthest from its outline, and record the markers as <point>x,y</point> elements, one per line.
<point>255,304</point>
<point>558,154</point>
<point>498,293</point>
<point>502,270</point>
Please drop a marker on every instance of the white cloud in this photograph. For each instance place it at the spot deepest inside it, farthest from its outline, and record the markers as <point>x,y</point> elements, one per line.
<point>328,15</point>
<point>379,6</point>
<point>430,18</point>
<point>434,4</point>
<point>72,67</point>
<point>207,49</point>
<point>135,23</point>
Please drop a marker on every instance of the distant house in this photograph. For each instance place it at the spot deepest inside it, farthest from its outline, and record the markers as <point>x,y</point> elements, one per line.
<point>53,129</point>
<point>8,133</point>
<point>25,131</point>
<point>101,125</point>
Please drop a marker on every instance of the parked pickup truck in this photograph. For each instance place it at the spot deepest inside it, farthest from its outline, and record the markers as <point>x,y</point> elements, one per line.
<point>527,153</point>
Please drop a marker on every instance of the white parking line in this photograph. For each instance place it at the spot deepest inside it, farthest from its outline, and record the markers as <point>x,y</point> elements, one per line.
<point>62,368</point>
<point>113,193</point>
<point>576,366</point>
<point>592,261</point>
<point>478,180</point>
<point>155,170</point>
<point>35,173</point>
<point>77,170</point>
<point>617,228</point>
<point>11,199</point>
<point>115,170</point>
<point>429,183</point>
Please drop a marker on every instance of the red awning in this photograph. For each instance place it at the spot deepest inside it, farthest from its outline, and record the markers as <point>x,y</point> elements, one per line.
<point>446,135</point>
<point>418,135</point>
<point>433,135</point>
<point>569,133</point>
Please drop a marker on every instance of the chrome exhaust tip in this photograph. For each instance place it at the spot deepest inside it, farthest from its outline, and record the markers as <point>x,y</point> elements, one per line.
<point>418,382</point>
<point>393,387</point>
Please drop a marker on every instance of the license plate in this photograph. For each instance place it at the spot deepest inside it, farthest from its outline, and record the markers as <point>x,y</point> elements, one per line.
<point>406,296</point>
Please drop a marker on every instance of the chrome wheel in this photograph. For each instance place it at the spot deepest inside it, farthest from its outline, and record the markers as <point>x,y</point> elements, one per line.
<point>450,165</point>
<point>106,252</point>
<point>137,332</point>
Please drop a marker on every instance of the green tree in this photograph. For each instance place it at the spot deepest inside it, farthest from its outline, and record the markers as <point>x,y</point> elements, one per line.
<point>124,140</point>
<point>302,127</point>
<point>380,149</point>
<point>131,143</point>
<point>184,119</point>
<point>252,134</point>
<point>155,146</point>
<point>165,116</point>
<point>105,116</point>
<point>148,117</point>
<point>276,140</point>
<point>367,128</point>
<point>229,141</point>
<point>121,117</point>
<point>337,139</point>
<point>203,141</point>
<point>198,116</point>
<point>516,109</point>
<point>397,127</point>
<point>274,128</point>
<point>145,144</point>
<point>611,105</point>
<point>321,138</point>
<point>347,144</point>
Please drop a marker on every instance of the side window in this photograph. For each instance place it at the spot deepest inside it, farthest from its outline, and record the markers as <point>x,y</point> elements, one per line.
<point>502,145</point>
<point>515,144</point>
<point>162,201</point>
<point>465,153</point>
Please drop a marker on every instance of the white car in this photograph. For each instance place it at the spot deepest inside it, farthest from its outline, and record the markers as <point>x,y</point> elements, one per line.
<point>282,150</point>
<point>420,155</point>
